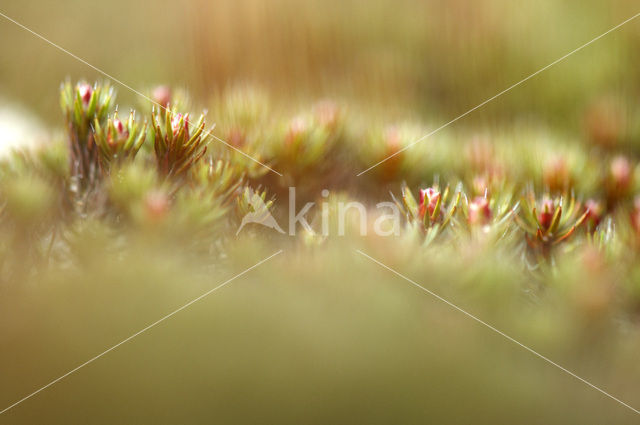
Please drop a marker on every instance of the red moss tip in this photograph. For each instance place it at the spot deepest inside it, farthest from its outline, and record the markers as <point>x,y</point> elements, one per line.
<point>175,123</point>
<point>117,124</point>
<point>545,216</point>
<point>428,200</point>
<point>85,92</point>
<point>479,211</point>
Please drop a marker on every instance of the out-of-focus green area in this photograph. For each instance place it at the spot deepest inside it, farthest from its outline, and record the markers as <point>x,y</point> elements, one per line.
<point>438,57</point>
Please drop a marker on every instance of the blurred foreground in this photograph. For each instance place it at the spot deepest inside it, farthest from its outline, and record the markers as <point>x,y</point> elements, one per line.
<point>315,337</point>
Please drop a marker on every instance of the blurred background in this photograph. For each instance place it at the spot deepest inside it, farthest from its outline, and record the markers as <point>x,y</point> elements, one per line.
<point>426,58</point>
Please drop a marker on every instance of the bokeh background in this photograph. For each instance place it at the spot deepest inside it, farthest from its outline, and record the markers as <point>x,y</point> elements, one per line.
<point>321,335</point>
<point>425,57</point>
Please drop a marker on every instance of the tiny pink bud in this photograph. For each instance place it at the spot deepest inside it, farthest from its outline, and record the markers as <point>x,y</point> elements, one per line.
<point>546,215</point>
<point>621,172</point>
<point>594,210</point>
<point>162,96</point>
<point>428,200</point>
<point>479,211</point>
<point>156,205</point>
<point>85,92</point>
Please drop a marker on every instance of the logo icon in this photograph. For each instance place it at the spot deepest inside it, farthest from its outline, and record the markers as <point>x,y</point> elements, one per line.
<point>259,215</point>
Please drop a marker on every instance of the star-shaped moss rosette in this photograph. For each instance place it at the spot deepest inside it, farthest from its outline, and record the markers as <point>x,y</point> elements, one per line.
<point>389,145</point>
<point>557,167</point>
<point>198,218</point>
<point>303,142</point>
<point>245,118</point>
<point>220,179</point>
<point>488,214</point>
<point>549,221</point>
<point>191,212</point>
<point>432,212</point>
<point>248,156</point>
<point>83,105</point>
<point>176,146</point>
<point>134,192</point>
<point>117,140</point>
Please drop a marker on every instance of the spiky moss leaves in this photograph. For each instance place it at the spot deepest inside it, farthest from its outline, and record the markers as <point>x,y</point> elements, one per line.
<point>432,213</point>
<point>246,119</point>
<point>194,212</point>
<point>83,105</point>
<point>118,141</point>
<point>177,143</point>
<point>307,144</point>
